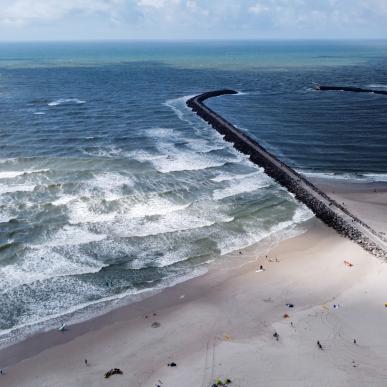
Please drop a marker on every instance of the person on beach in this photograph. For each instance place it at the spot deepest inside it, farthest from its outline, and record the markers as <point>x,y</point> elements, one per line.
<point>276,336</point>
<point>319,344</point>
<point>85,362</point>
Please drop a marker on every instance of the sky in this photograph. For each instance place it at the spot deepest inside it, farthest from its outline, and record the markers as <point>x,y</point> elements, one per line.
<point>191,19</point>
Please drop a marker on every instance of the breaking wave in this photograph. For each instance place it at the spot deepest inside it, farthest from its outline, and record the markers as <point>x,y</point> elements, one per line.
<point>63,101</point>
<point>13,174</point>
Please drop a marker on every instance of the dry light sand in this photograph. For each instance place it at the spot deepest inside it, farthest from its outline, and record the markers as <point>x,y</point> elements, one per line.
<point>221,325</point>
<point>368,201</point>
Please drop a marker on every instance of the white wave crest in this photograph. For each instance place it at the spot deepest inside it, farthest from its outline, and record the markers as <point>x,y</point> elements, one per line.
<point>104,186</point>
<point>62,101</point>
<point>256,233</point>
<point>4,189</point>
<point>13,174</point>
<point>104,151</point>
<point>41,263</point>
<point>82,212</point>
<point>185,162</point>
<point>5,217</point>
<point>205,146</point>
<point>161,133</point>
<point>110,180</point>
<point>242,184</point>
<point>376,177</point>
<point>142,155</point>
<point>69,235</point>
<point>179,106</point>
<point>173,159</point>
<point>63,200</point>
<point>168,223</point>
<point>378,86</point>
<point>225,176</point>
<point>169,257</point>
<point>154,206</point>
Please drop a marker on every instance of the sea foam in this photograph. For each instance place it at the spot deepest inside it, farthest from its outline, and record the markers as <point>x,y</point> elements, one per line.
<point>13,174</point>
<point>63,101</point>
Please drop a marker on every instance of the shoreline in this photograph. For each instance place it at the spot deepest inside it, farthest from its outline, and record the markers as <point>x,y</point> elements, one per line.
<point>105,310</point>
<point>230,313</point>
<point>40,340</point>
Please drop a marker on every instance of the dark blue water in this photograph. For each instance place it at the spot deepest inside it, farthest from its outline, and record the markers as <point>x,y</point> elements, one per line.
<point>110,187</point>
<point>325,132</point>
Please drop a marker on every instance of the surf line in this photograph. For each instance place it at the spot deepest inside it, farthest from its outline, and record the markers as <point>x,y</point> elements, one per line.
<point>325,208</point>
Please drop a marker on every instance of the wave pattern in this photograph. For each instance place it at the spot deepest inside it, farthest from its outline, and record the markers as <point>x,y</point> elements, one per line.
<point>116,220</point>
<point>110,187</point>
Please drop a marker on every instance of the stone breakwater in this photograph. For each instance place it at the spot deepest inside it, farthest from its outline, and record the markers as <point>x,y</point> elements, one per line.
<point>329,211</point>
<point>349,88</point>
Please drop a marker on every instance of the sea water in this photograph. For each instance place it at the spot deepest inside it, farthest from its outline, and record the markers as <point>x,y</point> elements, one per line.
<point>111,188</point>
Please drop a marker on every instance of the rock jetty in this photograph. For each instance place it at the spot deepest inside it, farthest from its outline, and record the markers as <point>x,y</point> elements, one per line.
<point>349,88</point>
<point>325,208</point>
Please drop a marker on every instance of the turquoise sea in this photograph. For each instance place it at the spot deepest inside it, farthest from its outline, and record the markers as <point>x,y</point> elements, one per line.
<point>111,188</point>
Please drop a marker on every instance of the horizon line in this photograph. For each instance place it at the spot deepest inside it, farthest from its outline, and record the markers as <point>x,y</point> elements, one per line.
<point>171,40</point>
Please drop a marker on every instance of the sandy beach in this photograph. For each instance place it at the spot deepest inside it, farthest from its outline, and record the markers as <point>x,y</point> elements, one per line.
<point>365,200</point>
<point>221,325</point>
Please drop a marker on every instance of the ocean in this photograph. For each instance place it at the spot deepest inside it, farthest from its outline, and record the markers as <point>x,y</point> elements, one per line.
<point>112,189</point>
